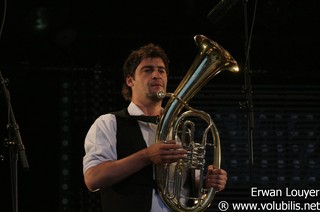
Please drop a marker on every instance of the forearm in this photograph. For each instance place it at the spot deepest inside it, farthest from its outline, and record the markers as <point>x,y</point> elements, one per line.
<point>110,172</point>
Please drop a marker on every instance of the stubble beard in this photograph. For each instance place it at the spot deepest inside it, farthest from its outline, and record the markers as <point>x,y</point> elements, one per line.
<point>154,97</point>
<point>153,94</point>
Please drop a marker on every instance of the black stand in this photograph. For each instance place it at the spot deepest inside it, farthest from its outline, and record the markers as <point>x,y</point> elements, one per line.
<point>15,145</point>
<point>247,90</point>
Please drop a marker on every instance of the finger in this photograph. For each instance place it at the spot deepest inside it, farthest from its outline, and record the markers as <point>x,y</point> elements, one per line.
<point>212,167</point>
<point>219,171</point>
<point>169,142</point>
<point>173,156</point>
<point>171,147</point>
<point>218,187</point>
<point>216,184</point>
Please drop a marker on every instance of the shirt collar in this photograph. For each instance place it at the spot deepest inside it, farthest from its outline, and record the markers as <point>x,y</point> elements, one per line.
<point>134,110</point>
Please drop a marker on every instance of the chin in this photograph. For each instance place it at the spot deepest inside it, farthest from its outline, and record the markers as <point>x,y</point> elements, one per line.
<point>154,97</point>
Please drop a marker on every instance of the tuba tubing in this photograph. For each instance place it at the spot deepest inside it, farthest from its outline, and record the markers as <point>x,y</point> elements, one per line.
<point>210,60</point>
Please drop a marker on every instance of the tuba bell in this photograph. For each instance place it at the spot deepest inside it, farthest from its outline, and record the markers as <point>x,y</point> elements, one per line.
<point>181,184</point>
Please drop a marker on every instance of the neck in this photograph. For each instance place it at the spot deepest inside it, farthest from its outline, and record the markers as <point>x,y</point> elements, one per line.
<point>151,108</point>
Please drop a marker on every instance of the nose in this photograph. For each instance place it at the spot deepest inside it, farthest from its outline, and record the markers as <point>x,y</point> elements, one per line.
<point>156,75</point>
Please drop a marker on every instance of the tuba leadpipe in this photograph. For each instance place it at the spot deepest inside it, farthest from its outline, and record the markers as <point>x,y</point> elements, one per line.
<point>181,184</point>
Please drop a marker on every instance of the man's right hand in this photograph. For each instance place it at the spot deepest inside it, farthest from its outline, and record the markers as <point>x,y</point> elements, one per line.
<point>165,152</point>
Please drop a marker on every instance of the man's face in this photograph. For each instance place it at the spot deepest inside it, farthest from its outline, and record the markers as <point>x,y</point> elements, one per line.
<point>150,78</point>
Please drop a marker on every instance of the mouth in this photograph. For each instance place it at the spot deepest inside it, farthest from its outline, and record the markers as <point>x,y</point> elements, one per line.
<point>156,88</point>
<point>157,85</point>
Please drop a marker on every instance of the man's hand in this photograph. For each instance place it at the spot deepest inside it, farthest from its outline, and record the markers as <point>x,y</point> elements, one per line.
<point>216,178</point>
<point>168,152</point>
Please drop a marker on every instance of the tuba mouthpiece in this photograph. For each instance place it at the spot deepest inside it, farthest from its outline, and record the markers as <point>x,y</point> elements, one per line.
<point>161,95</point>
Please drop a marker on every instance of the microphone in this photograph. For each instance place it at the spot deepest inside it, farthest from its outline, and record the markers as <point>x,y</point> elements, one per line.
<point>220,10</point>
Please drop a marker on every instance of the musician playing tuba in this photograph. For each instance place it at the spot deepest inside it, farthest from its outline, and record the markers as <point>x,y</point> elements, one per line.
<point>121,152</point>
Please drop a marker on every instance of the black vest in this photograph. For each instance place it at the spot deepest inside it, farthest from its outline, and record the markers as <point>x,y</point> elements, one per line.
<point>135,192</point>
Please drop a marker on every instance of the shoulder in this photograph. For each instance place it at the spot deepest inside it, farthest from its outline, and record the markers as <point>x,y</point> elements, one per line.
<point>110,119</point>
<point>121,113</point>
<point>105,120</point>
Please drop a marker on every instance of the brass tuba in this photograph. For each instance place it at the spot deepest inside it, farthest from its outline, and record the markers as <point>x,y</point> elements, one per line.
<point>181,184</point>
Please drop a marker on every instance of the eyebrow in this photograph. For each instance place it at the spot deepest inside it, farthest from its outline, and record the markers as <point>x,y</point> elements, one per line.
<point>152,67</point>
<point>149,66</point>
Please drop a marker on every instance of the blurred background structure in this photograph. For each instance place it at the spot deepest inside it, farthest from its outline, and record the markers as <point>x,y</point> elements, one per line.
<point>63,61</point>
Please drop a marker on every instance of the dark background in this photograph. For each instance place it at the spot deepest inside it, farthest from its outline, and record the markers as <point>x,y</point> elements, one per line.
<point>63,60</point>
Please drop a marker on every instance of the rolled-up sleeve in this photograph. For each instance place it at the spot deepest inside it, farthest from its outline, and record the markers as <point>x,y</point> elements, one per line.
<point>100,142</point>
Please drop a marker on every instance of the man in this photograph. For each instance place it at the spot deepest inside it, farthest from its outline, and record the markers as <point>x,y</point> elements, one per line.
<point>121,151</point>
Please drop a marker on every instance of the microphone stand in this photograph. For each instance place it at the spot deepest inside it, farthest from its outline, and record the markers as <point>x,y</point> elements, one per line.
<point>247,90</point>
<point>15,145</point>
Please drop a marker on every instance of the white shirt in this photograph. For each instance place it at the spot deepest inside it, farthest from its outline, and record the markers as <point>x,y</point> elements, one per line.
<point>100,145</point>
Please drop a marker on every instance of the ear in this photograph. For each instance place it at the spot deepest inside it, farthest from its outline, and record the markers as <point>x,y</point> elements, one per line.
<point>129,81</point>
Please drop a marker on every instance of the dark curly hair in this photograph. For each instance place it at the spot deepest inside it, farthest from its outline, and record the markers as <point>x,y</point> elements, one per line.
<point>147,51</point>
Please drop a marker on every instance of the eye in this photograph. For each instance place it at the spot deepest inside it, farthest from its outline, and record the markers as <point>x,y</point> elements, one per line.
<point>147,70</point>
<point>162,70</point>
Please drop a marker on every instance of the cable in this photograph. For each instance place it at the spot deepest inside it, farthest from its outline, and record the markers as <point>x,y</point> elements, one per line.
<point>4,17</point>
